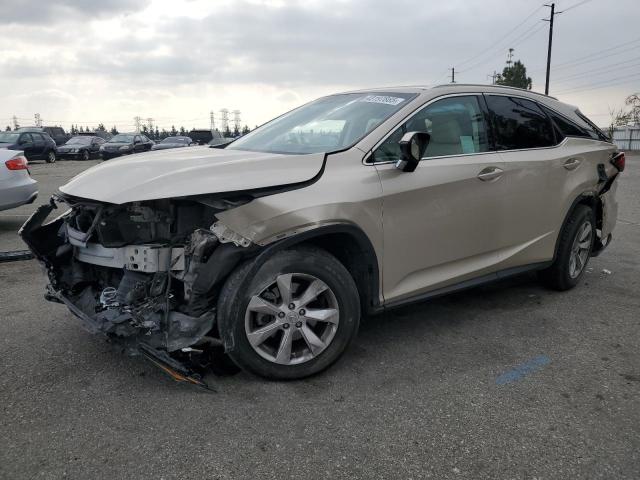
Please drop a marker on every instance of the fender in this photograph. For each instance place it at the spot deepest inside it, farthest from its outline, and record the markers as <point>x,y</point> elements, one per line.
<point>366,275</point>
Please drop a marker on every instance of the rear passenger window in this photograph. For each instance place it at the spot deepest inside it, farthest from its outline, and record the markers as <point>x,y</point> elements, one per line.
<point>456,126</point>
<point>519,123</point>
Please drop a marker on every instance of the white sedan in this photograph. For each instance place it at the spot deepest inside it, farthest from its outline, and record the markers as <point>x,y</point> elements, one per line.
<point>16,185</point>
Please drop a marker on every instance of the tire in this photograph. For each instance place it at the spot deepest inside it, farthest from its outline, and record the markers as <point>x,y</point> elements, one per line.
<point>567,269</point>
<point>316,344</point>
<point>51,157</point>
<point>85,155</point>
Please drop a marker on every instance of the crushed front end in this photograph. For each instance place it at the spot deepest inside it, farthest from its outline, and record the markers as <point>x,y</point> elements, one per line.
<point>145,274</point>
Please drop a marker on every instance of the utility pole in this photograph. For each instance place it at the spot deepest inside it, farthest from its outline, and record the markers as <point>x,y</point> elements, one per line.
<point>453,74</point>
<point>550,20</point>
<point>493,77</point>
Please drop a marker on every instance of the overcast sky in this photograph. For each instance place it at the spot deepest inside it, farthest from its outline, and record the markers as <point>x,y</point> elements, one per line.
<point>86,61</point>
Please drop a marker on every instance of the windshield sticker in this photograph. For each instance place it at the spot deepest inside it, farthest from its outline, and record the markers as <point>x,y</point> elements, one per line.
<point>383,99</point>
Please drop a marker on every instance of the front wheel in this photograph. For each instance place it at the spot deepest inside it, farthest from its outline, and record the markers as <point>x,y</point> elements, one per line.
<point>85,155</point>
<point>294,318</point>
<point>574,249</point>
<point>51,157</point>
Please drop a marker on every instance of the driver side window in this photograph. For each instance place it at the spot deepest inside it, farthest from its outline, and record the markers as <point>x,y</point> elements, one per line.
<point>456,125</point>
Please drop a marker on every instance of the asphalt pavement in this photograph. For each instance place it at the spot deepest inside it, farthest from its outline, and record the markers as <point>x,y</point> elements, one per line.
<point>505,381</point>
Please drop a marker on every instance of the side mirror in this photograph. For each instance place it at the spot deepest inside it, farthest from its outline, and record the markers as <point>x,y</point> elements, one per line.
<point>412,147</point>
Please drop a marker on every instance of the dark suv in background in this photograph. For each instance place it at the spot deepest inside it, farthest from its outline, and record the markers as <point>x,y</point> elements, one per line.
<point>56,133</point>
<point>35,145</point>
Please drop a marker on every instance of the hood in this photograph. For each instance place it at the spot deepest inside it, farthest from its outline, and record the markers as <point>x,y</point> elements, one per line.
<point>116,144</point>
<point>180,172</point>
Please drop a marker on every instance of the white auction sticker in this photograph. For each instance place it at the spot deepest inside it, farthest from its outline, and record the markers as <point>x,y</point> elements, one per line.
<point>383,99</point>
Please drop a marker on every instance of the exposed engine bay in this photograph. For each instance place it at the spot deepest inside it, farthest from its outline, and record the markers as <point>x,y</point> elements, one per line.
<point>143,273</point>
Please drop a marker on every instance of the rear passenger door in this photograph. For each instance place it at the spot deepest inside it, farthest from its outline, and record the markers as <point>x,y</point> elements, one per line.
<point>27,145</point>
<point>527,144</point>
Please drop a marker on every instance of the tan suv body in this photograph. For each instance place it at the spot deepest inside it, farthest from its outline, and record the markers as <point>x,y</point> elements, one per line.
<point>413,192</point>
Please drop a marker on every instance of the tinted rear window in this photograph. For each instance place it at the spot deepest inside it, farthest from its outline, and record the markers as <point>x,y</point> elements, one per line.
<point>519,123</point>
<point>565,127</point>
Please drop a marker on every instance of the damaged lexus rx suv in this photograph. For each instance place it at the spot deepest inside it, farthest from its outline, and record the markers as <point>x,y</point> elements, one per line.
<point>274,246</point>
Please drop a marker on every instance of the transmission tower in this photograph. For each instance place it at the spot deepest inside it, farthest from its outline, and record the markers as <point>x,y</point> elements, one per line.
<point>16,125</point>
<point>236,120</point>
<point>150,124</point>
<point>38,120</point>
<point>213,121</point>
<point>510,58</point>
<point>137,120</point>
<point>224,119</point>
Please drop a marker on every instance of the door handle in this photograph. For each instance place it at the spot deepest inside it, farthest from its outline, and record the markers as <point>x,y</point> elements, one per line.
<point>572,163</point>
<point>490,173</point>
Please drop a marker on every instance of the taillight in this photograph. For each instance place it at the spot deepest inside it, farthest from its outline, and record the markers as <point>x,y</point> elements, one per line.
<point>17,163</point>
<point>619,161</point>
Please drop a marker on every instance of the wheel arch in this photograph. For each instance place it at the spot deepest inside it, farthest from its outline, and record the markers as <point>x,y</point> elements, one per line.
<point>591,200</point>
<point>351,246</point>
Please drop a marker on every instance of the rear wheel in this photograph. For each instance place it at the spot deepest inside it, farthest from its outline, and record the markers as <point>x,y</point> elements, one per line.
<point>85,155</point>
<point>574,250</point>
<point>294,318</point>
<point>51,157</point>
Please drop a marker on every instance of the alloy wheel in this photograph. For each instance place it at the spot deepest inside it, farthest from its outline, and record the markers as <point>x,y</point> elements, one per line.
<point>292,320</point>
<point>580,249</point>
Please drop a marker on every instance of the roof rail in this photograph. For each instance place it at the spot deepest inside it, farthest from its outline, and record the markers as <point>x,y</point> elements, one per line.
<point>491,86</point>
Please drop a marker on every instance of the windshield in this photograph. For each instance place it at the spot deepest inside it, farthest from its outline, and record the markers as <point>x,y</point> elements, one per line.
<point>121,138</point>
<point>79,141</point>
<point>9,137</point>
<point>176,140</point>
<point>327,124</point>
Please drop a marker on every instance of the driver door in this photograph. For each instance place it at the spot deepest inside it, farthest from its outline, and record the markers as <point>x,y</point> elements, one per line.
<point>441,222</point>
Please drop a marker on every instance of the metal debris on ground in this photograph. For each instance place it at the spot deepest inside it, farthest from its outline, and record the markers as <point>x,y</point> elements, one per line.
<point>15,255</point>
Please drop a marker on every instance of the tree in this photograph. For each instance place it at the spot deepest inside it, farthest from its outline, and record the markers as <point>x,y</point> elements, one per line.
<point>183,132</point>
<point>173,131</point>
<point>245,130</point>
<point>101,128</point>
<point>634,102</point>
<point>236,132</point>
<point>8,129</point>
<point>81,129</point>
<point>114,130</point>
<point>226,132</point>
<point>157,134</point>
<point>515,76</point>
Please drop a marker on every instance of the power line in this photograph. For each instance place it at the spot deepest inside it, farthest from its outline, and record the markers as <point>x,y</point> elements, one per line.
<point>592,56</point>
<point>574,6</point>
<point>602,70</point>
<point>512,43</point>
<point>605,84</point>
<point>494,44</point>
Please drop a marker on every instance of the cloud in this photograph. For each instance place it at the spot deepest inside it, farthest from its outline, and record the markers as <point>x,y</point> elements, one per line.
<point>111,54</point>
<point>63,11</point>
